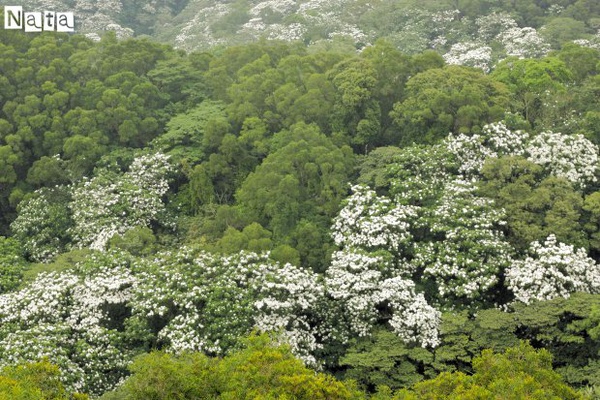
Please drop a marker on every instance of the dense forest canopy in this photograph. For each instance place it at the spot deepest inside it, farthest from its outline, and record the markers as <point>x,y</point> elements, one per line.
<point>408,214</point>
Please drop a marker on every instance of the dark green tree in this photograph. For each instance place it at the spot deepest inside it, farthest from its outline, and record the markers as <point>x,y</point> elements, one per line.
<point>450,99</point>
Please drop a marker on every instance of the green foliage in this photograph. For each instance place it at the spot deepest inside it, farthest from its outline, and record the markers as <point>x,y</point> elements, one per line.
<point>43,223</point>
<point>567,328</point>
<point>163,376</point>
<point>520,372</point>
<point>12,264</point>
<point>138,241</point>
<point>385,359</point>
<point>450,99</point>
<point>263,139</point>
<point>261,370</point>
<point>536,206</point>
<point>581,61</point>
<point>303,178</point>
<point>531,82</point>
<point>40,380</point>
<point>356,113</point>
<point>563,29</point>
<point>66,115</point>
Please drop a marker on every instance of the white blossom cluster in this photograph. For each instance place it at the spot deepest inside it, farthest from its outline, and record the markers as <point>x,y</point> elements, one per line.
<point>372,221</point>
<point>593,42</point>
<point>287,300</point>
<point>421,173</point>
<point>171,289</point>
<point>445,17</point>
<point>470,253</point>
<point>284,7</point>
<point>353,278</point>
<point>291,32</point>
<point>68,317</point>
<point>256,28</point>
<point>496,140</point>
<point>471,54</point>
<point>427,30</point>
<point>370,273</point>
<point>351,31</point>
<point>362,283</point>
<point>494,24</point>
<point>326,17</point>
<point>572,157</point>
<point>414,320</point>
<point>209,302</point>
<point>524,43</point>
<point>196,33</point>
<point>112,203</point>
<point>497,31</point>
<point>84,319</point>
<point>34,227</point>
<point>553,269</point>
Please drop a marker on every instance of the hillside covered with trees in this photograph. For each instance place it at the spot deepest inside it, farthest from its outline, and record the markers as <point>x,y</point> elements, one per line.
<point>305,218</point>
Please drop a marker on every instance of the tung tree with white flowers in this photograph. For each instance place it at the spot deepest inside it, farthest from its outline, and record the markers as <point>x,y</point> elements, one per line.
<point>111,202</point>
<point>465,251</point>
<point>76,319</point>
<point>370,277</point>
<point>553,269</point>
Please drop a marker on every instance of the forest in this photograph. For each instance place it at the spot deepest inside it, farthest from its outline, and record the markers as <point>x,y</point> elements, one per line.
<point>284,219</point>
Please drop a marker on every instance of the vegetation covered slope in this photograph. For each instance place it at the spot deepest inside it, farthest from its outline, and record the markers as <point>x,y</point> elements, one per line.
<point>476,29</point>
<point>387,215</point>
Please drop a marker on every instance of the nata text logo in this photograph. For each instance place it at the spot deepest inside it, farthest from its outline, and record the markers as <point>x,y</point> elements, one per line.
<point>15,18</point>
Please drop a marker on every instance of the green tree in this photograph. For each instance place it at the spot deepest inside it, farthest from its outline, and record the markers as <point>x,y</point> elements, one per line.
<point>263,370</point>
<point>450,99</point>
<point>40,380</point>
<point>356,113</point>
<point>531,81</point>
<point>392,70</point>
<point>12,264</point>
<point>520,372</point>
<point>581,61</point>
<point>536,205</point>
<point>563,29</point>
<point>163,376</point>
<point>302,178</point>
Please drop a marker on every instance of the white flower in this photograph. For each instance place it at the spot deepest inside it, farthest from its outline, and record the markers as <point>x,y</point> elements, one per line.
<point>554,269</point>
<point>572,157</point>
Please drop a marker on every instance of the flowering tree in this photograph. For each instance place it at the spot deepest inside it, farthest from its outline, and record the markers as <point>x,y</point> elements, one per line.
<point>88,214</point>
<point>74,319</point>
<point>207,303</point>
<point>363,284</point>
<point>371,222</point>
<point>494,24</point>
<point>495,140</point>
<point>472,54</point>
<point>43,222</point>
<point>91,320</point>
<point>523,43</point>
<point>419,173</point>
<point>465,250</point>
<point>500,32</point>
<point>553,269</point>
<point>371,273</point>
<point>112,203</point>
<point>572,157</point>
<point>593,42</point>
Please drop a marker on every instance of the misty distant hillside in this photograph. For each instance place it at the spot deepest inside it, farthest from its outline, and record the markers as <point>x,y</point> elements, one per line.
<point>483,30</point>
